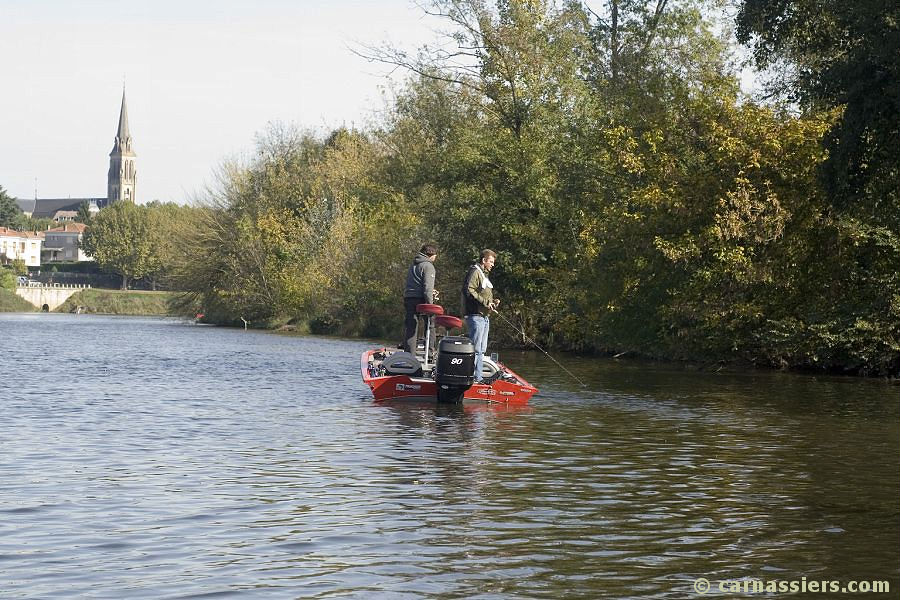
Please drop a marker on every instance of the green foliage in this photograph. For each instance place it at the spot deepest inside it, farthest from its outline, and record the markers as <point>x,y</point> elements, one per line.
<point>122,239</point>
<point>18,266</point>
<point>32,224</point>
<point>637,202</point>
<point>118,302</point>
<point>7,279</point>
<point>846,57</point>
<point>10,214</point>
<point>10,302</point>
<point>295,233</point>
<point>84,213</point>
<point>77,267</point>
<point>170,223</point>
<point>835,54</point>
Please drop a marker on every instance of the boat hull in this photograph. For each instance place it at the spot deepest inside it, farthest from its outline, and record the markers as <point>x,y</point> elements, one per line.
<point>407,387</point>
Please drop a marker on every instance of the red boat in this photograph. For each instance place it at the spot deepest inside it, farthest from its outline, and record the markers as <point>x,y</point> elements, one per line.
<point>447,375</point>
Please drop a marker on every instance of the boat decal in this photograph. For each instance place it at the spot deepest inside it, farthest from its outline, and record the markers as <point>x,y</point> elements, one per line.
<point>487,391</point>
<point>502,393</point>
<point>402,387</point>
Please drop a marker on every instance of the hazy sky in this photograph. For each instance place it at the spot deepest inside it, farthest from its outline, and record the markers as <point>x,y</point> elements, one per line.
<point>201,79</point>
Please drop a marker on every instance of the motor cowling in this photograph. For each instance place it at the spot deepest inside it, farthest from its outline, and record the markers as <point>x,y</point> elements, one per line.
<point>455,369</point>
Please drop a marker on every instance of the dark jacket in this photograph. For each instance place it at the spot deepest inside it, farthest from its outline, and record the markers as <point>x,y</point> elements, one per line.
<point>420,279</point>
<point>476,299</point>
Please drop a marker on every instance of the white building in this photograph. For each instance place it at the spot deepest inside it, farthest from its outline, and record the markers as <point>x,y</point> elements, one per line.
<point>20,245</point>
<point>64,216</point>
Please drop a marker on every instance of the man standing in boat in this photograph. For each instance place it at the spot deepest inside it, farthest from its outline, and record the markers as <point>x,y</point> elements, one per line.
<point>419,290</point>
<point>478,303</point>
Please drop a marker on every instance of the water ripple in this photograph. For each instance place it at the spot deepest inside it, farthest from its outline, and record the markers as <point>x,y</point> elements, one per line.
<point>154,459</point>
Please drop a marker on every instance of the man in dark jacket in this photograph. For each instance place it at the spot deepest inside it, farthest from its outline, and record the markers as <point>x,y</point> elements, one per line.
<point>419,290</point>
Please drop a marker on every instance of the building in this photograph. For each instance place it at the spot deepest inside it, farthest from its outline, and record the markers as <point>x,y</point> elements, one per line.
<point>20,245</point>
<point>122,174</point>
<point>64,243</point>
<point>120,179</point>
<point>63,216</point>
<point>46,208</point>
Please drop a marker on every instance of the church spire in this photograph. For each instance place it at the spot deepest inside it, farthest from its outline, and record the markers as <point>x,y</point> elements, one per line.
<point>123,119</point>
<point>122,174</point>
<point>122,143</point>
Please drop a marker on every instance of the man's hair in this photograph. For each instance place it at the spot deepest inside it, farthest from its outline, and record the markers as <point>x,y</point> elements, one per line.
<point>429,249</point>
<point>487,252</point>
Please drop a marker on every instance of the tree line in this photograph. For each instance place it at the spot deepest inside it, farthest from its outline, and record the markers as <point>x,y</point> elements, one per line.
<point>637,200</point>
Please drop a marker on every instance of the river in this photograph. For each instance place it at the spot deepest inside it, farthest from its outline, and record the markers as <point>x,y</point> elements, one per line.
<point>152,458</point>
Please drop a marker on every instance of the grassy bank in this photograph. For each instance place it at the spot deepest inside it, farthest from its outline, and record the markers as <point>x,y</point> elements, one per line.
<point>10,302</point>
<point>118,302</point>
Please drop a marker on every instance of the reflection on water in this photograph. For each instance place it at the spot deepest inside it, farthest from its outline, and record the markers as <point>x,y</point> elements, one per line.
<point>151,458</point>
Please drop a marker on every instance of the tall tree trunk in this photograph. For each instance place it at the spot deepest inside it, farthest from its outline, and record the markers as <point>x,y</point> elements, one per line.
<point>124,282</point>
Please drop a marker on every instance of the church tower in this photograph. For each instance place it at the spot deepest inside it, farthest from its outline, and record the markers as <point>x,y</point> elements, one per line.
<point>122,173</point>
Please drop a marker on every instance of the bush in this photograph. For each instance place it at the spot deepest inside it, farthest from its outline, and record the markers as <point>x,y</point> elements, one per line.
<point>7,279</point>
<point>72,267</point>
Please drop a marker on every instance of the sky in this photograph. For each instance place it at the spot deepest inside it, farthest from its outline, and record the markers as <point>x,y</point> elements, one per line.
<point>201,78</point>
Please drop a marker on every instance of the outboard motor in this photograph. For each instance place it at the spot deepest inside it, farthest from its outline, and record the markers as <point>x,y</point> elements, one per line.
<point>455,370</point>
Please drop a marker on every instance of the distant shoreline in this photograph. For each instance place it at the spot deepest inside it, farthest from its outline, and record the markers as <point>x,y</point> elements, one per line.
<point>121,302</point>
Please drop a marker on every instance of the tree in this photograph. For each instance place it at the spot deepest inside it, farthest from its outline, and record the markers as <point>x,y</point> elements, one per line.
<point>10,214</point>
<point>172,225</point>
<point>7,279</point>
<point>121,239</point>
<point>832,55</point>
<point>84,213</point>
<point>829,54</point>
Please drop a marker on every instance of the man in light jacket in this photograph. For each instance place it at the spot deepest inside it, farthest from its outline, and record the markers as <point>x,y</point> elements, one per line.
<point>419,290</point>
<point>478,303</point>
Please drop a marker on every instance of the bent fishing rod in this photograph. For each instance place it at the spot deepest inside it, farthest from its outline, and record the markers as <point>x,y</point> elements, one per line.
<point>536,345</point>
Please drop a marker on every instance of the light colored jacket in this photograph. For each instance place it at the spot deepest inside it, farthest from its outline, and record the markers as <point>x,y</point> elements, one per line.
<point>477,292</point>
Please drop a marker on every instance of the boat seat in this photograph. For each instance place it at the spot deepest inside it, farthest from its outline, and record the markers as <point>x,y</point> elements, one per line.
<point>428,312</point>
<point>489,369</point>
<point>448,321</point>
<point>402,363</point>
<point>429,309</point>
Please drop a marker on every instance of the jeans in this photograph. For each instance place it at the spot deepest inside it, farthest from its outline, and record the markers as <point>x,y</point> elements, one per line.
<point>478,327</point>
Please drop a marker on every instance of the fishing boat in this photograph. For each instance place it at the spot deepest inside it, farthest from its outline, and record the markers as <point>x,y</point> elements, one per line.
<point>444,373</point>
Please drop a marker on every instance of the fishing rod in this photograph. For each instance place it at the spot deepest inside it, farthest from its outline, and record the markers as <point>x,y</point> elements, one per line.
<point>536,345</point>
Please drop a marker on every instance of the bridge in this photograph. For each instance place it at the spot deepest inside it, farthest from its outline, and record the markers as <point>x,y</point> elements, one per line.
<point>48,296</point>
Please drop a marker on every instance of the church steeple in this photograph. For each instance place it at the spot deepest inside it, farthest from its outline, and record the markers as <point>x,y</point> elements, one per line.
<point>123,133</point>
<point>122,173</point>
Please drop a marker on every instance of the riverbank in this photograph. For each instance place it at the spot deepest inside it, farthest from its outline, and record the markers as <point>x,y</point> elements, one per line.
<point>11,302</point>
<point>122,302</point>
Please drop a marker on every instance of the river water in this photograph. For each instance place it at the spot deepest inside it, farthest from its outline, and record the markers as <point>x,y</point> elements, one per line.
<point>151,458</point>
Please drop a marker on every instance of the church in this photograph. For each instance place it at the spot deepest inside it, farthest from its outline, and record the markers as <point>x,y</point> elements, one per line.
<point>120,180</point>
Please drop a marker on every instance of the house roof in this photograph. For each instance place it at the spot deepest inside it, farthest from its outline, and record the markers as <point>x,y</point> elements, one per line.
<point>7,232</point>
<point>69,228</point>
<point>47,207</point>
<point>25,204</point>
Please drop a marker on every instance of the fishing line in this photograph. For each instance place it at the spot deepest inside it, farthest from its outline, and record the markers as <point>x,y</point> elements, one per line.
<point>536,345</point>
